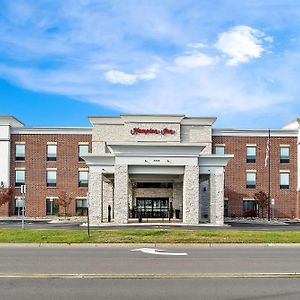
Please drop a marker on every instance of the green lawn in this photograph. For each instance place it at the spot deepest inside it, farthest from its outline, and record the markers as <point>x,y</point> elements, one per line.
<point>146,236</point>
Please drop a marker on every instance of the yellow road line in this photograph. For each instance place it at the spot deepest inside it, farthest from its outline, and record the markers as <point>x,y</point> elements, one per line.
<point>147,276</point>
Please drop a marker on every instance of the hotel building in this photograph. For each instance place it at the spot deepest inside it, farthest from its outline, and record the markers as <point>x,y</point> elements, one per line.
<point>149,166</point>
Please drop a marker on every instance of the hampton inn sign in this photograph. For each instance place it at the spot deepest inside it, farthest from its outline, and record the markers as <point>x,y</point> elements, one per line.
<point>164,131</point>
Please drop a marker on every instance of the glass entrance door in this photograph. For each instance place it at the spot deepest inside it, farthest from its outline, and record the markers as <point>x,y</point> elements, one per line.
<point>153,207</point>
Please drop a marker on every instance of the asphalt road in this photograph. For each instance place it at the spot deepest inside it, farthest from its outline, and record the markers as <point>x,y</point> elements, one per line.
<point>121,260</point>
<point>196,289</point>
<point>26,272</point>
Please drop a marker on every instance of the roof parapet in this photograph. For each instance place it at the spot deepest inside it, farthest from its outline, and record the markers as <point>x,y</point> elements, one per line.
<point>11,121</point>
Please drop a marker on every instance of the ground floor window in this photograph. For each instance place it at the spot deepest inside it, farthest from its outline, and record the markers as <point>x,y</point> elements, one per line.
<point>226,210</point>
<point>152,207</point>
<point>250,208</point>
<point>81,206</point>
<point>51,207</point>
<point>19,206</point>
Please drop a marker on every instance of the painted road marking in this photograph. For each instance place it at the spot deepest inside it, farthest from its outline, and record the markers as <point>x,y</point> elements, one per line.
<point>148,276</point>
<point>158,251</point>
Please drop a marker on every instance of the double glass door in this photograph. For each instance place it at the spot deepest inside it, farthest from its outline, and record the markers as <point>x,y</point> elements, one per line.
<point>153,207</point>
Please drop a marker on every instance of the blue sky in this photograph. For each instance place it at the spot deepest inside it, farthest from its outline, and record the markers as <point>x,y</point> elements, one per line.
<point>61,61</point>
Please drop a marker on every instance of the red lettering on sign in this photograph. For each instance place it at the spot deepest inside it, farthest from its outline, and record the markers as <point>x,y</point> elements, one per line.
<point>164,131</point>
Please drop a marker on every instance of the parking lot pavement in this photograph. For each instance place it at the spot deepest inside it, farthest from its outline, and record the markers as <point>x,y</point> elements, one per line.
<point>76,225</point>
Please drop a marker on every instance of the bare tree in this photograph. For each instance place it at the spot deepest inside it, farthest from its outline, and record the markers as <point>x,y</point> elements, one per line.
<point>6,194</point>
<point>64,200</point>
<point>262,202</point>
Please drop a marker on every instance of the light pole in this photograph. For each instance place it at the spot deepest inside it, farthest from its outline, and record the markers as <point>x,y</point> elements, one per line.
<point>88,212</point>
<point>23,192</point>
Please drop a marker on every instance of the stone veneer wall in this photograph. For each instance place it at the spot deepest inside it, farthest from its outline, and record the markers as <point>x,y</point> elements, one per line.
<point>121,190</point>
<point>95,197</point>
<point>197,134</point>
<point>191,203</point>
<point>217,197</point>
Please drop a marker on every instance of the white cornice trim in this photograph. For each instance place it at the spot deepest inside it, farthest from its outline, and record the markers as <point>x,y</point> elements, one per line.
<point>52,130</point>
<point>207,121</point>
<point>255,132</point>
<point>152,118</point>
<point>99,160</point>
<point>155,149</point>
<point>214,160</point>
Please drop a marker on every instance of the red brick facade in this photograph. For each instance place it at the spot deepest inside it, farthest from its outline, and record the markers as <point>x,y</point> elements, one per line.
<point>286,202</point>
<point>67,165</point>
<point>36,164</point>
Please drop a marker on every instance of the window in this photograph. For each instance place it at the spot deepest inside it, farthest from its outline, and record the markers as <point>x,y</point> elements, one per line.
<point>82,150</point>
<point>20,152</point>
<point>284,180</point>
<point>51,178</point>
<point>20,177</point>
<point>251,180</point>
<point>226,208</point>
<point>249,205</point>
<point>81,207</point>
<point>284,154</point>
<point>51,152</point>
<point>83,178</point>
<point>251,154</point>
<point>51,207</point>
<point>19,204</point>
<point>220,150</point>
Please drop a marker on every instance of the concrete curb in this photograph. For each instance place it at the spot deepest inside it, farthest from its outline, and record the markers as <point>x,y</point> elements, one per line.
<point>148,276</point>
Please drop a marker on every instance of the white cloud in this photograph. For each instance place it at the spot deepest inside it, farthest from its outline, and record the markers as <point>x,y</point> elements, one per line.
<point>196,45</point>
<point>119,77</point>
<point>195,60</point>
<point>241,43</point>
<point>115,76</point>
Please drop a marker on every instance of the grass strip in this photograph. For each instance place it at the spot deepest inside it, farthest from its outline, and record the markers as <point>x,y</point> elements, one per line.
<point>146,236</point>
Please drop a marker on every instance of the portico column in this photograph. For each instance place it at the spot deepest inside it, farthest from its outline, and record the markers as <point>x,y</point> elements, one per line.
<point>121,194</point>
<point>95,197</point>
<point>297,213</point>
<point>217,197</point>
<point>191,195</point>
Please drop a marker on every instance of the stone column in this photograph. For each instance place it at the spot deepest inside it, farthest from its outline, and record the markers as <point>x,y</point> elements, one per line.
<point>191,195</point>
<point>217,197</point>
<point>121,194</point>
<point>95,197</point>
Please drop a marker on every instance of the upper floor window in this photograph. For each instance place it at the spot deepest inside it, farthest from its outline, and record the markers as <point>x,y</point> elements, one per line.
<point>83,178</point>
<point>251,154</point>
<point>20,152</point>
<point>251,180</point>
<point>220,150</point>
<point>51,178</point>
<point>284,154</point>
<point>20,177</point>
<point>82,150</point>
<point>284,180</point>
<point>51,152</point>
